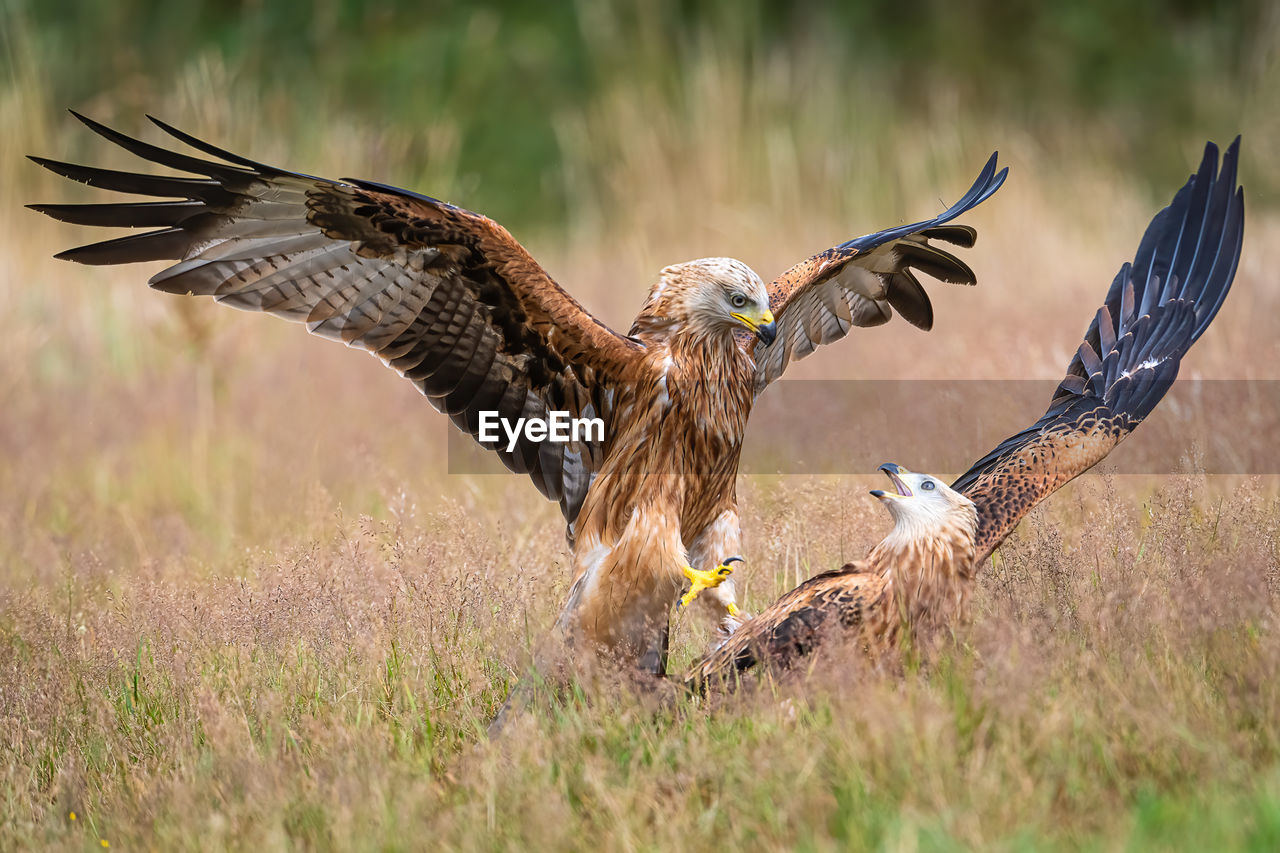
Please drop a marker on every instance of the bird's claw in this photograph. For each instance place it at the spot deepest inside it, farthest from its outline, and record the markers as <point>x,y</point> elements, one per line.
<point>700,580</point>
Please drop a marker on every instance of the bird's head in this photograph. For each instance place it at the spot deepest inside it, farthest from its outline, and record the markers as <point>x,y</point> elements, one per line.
<point>923,505</point>
<point>713,295</point>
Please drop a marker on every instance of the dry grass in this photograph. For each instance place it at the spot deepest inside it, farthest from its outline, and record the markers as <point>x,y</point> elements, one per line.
<point>334,693</point>
<point>242,605</point>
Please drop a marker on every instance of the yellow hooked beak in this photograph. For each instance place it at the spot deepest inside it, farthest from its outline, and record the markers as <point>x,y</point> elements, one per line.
<point>900,489</point>
<point>763,325</point>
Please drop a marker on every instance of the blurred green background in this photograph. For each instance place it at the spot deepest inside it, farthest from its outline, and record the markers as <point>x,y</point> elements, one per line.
<point>507,105</point>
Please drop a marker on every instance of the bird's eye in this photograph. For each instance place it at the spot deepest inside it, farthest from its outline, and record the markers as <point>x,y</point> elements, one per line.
<point>738,300</point>
<point>927,486</point>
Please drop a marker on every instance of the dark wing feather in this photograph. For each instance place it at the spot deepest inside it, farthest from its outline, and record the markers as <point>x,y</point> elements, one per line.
<point>443,295</point>
<point>861,282</point>
<point>793,625</point>
<point>1155,309</point>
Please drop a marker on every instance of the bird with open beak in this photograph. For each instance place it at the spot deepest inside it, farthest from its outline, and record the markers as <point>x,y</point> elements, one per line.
<point>917,578</point>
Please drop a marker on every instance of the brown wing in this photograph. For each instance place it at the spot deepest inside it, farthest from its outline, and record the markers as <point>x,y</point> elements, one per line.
<point>793,625</point>
<point>861,282</point>
<point>444,296</point>
<point>1155,310</point>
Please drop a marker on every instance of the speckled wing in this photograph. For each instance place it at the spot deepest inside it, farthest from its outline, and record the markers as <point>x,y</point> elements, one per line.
<point>1156,308</point>
<point>861,282</point>
<point>795,624</point>
<point>444,296</point>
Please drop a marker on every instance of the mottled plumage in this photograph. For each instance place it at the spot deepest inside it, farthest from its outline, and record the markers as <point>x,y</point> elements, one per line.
<point>1156,308</point>
<point>452,302</point>
<point>917,578</point>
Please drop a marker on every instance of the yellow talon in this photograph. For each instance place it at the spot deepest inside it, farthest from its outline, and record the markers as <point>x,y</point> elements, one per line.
<point>698,581</point>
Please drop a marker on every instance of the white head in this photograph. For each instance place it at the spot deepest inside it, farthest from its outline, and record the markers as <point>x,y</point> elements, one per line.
<point>924,507</point>
<point>710,295</point>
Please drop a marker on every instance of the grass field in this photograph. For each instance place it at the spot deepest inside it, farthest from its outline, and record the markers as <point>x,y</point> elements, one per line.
<point>243,605</point>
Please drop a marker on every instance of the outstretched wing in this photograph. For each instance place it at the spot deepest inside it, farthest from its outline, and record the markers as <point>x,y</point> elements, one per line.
<point>444,296</point>
<point>793,625</point>
<point>861,282</point>
<point>1155,310</point>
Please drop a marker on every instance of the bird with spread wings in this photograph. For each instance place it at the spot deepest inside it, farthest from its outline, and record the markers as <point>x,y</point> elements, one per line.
<point>919,576</point>
<point>452,302</point>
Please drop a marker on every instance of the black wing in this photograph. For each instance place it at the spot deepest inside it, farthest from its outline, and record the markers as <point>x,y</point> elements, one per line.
<point>1156,308</point>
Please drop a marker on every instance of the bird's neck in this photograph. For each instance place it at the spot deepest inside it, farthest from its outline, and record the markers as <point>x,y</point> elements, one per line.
<point>684,337</point>
<point>930,569</point>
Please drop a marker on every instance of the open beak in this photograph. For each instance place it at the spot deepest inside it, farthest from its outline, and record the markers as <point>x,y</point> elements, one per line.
<point>764,326</point>
<point>894,473</point>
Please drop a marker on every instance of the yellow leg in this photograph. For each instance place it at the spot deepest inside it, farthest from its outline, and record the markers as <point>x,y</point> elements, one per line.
<point>698,581</point>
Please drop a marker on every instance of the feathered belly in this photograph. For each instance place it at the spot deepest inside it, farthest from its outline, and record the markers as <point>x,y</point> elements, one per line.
<point>630,549</point>
<point>669,473</point>
<point>713,491</point>
<point>679,460</point>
